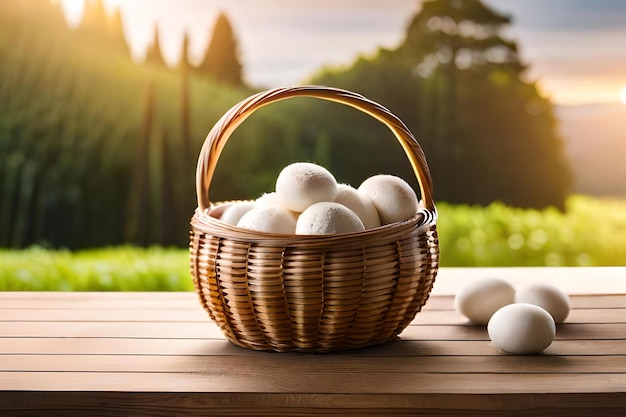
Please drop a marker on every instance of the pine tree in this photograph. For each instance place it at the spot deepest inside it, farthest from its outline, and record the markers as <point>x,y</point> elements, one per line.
<point>116,30</point>
<point>154,55</point>
<point>221,60</point>
<point>105,27</point>
<point>184,103</point>
<point>94,15</point>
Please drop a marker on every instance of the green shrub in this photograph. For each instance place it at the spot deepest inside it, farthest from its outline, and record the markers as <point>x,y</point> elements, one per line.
<point>592,232</point>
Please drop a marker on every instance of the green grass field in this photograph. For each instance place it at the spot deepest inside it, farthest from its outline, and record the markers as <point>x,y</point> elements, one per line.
<point>591,233</point>
<point>122,268</point>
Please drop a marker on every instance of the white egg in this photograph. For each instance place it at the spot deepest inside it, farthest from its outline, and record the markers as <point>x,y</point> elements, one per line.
<point>328,218</point>
<point>359,203</point>
<point>269,218</point>
<point>273,198</point>
<point>393,197</point>
<point>521,329</point>
<point>269,198</point>
<point>235,211</point>
<point>479,299</point>
<point>302,184</point>
<point>548,297</point>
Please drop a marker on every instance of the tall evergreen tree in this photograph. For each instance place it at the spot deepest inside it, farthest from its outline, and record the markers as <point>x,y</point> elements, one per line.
<point>154,55</point>
<point>103,26</point>
<point>185,103</point>
<point>94,15</point>
<point>115,28</point>
<point>221,59</point>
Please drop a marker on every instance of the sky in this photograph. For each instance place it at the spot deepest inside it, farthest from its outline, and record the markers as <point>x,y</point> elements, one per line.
<point>576,49</point>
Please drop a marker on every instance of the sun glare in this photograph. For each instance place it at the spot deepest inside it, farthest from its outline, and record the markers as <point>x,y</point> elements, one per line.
<point>73,11</point>
<point>622,95</point>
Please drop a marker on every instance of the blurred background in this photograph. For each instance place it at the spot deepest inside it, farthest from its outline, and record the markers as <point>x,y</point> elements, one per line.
<point>104,104</point>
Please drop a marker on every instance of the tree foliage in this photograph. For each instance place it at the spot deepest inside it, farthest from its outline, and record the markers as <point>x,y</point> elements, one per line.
<point>460,86</point>
<point>154,54</point>
<point>221,59</point>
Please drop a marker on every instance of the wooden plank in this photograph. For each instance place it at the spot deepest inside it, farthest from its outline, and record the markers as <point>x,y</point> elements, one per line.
<point>192,330</point>
<point>284,364</point>
<point>315,383</point>
<point>105,315</point>
<point>577,301</point>
<point>568,331</point>
<point>220,347</point>
<point>171,330</point>
<point>199,330</point>
<point>189,300</point>
<point>93,300</point>
<point>589,315</point>
<point>441,317</point>
<point>301,404</point>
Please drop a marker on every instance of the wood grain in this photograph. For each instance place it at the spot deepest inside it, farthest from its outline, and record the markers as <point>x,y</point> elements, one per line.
<point>158,354</point>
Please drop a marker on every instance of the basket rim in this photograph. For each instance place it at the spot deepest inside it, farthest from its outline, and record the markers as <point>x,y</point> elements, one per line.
<point>204,222</point>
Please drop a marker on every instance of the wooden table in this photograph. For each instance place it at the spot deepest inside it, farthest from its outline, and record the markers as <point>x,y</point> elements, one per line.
<point>157,354</point>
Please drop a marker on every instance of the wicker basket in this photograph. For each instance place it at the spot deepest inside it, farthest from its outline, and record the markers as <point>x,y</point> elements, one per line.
<point>312,293</point>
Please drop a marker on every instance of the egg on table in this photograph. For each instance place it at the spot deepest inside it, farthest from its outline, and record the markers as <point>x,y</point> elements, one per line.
<point>549,297</point>
<point>522,329</point>
<point>481,298</point>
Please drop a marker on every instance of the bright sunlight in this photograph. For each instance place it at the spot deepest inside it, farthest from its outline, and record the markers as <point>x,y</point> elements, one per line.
<point>622,95</point>
<point>73,11</point>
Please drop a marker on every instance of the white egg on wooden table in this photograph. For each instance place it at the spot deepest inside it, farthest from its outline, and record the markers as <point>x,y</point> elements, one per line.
<point>481,298</point>
<point>546,296</point>
<point>522,329</point>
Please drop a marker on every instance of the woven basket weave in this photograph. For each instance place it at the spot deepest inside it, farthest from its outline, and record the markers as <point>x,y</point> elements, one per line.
<point>312,293</point>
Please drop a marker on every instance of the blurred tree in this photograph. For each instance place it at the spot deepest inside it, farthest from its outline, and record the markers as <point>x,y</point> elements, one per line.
<point>94,15</point>
<point>154,55</point>
<point>487,132</point>
<point>184,103</point>
<point>221,59</point>
<point>137,227</point>
<point>103,26</point>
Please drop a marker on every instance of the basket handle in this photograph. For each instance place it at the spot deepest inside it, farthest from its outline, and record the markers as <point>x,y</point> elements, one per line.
<point>221,131</point>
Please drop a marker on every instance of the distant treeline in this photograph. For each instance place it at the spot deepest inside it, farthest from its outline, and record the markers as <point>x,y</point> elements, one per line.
<point>96,150</point>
